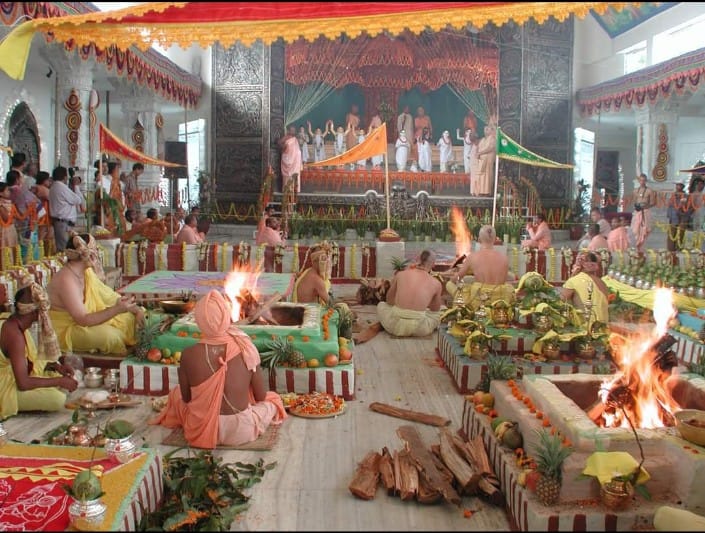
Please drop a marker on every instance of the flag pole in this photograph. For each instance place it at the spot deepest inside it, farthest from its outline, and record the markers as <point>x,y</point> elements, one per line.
<point>386,191</point>
<point>496,179</point>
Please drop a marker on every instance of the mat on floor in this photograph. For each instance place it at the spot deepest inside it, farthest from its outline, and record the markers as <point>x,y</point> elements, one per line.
<point>266,441</point>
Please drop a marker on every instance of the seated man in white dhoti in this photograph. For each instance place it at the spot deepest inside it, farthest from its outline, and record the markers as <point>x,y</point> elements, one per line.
<point>413,301</point>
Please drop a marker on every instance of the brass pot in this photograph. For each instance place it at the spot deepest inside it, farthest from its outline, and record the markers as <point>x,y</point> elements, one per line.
<point>551,350</point>
<point>87,515</point>
<point>478,350</point>
<point>585,349</point>
<point>616,495</point>
<point>542,323</point>
<point>500,316</point>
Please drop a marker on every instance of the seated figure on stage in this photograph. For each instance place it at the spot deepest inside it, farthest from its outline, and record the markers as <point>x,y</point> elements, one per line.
<point>29,382</point>
<point>221,398</point>
<point>490,270</point>
<point>413,302</point>
<point>585,287</point>
<point>87,315</point>
<point>539,233</point>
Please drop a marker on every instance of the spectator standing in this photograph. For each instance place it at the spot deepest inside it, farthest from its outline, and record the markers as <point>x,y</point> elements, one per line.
<point>64,205</point>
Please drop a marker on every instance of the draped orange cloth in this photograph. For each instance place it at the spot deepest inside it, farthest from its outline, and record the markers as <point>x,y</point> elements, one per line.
<point>200,417</point>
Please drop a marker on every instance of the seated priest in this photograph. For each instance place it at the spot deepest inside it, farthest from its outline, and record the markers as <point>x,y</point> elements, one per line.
<point>221,398</point>
<point>313,282</point>
<point>490,270</point>
<point>189,232</point>
<point>30,381</point>
<point>413,302</point>
<point>586,288</point>
<point>269,234</point>
<point>89,316</point>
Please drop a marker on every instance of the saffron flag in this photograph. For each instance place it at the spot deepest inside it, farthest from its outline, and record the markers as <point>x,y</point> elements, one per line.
<point>508,148</point>
<point>374,144</point>
<point>112,145</point>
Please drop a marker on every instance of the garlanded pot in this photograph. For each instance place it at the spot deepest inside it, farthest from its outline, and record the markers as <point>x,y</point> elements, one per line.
<point>478,350</point>
<point>585,349</point>
<point>120,450</point>
<point>500,316</point>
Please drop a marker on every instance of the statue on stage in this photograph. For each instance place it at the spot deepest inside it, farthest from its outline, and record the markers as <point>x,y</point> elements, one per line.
<point>304,140</point>
<point>402,148</point>
<point>319,141</point>
<point>341,135</point>
<point>445,151</point>
<point>424,148</point>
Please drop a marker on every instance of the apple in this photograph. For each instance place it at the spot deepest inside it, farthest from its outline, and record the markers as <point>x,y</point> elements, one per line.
<point>154,355</point>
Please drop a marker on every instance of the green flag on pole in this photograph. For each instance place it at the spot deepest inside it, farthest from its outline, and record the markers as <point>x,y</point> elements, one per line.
<point>508,148</point>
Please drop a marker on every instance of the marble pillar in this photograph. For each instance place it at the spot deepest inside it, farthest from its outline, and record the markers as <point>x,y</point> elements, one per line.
<point>657,133</point>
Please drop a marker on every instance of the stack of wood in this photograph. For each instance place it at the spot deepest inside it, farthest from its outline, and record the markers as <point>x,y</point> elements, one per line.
<point>445,471</point>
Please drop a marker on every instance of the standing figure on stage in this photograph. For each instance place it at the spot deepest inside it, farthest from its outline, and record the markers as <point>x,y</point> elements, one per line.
<point>405,122</point>
<point>378,159</point>
<point>445,151</point>
<point>402,148</point>
<point>469,142</point>
<point>361,163</point>
<point>470,122</point>
<point>319,142</point>
<point>424,147</point>
<point>352,119</point>
<point>303,139</point>
<point>486,152</point>
<point>340,145</point>
<point>291,163</point>
<point>375,122</point>
<point>421,121</point>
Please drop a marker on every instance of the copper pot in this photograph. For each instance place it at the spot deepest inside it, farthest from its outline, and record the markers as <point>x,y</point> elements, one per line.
<point>616,495</point>
<point>542,323</point>
<point>500,316</point>
<point>478,350</point>
<point>551,350</point>
<point>585,349</point>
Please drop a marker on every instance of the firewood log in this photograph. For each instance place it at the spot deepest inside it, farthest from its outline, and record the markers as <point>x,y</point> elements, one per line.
<point>427,494</point>
<point>409,477</point>
<point>386,471</point>
<point>364,484</point>
<point>406,414</point>
<point>465,475</point>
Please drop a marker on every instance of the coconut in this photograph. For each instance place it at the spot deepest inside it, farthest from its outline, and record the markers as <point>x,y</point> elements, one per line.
<point>512,438</point>
<point>86,486</point>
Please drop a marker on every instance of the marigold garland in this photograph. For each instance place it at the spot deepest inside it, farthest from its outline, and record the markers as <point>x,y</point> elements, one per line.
<point>260,253</point>
<point>160,258</point>
<point>515,260</point>
<point>128,258</point>
<point>353,259</point>
<point>295,263</point>
<point>183,256</point>
<point>224,257</point>
<point>18,255</point>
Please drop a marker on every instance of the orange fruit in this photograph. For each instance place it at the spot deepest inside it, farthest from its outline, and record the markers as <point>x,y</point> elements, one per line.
<point>330,359</point>
<point>345,354</point>
<point>313,363</point>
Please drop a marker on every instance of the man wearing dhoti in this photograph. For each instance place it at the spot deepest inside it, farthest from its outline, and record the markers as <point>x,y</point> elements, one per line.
<point>401,154</point>
<point>291,162</point>
<point>221,398</point>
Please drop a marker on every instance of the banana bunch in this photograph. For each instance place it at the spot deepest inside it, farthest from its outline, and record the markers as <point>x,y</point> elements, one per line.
<point>502,428</point>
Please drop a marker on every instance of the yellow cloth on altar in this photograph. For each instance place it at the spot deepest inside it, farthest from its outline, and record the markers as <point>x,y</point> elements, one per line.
<point>645,298</point>
<point>13,400</point>
<point>472,293</point>
<point>111,337</point>
<point>607,465</point>
<point>406,322</point>
<point>580,283</point>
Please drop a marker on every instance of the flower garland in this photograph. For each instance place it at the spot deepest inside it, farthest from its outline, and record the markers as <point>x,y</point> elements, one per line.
<point>18,255</point>
<point>243,255</point>
<point>515,260</point>
<point>160,258</point>
<point>142,256</point>
<point>224,257</point>
<point>278,254</point>
<point>183,256</point>
<point>128,258</point>
<point>202,249</point>
<point>353,266</point>
<point>335,257</point>
<point>686,253</point>
<point>366,254</point>
<point>295,263</point>
<point>215,256</point>
<point>552,264</point>
<point>567,257</point>
<point>260,253</point>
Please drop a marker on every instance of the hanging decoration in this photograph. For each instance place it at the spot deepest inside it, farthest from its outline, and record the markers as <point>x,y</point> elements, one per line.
<point>138,136</point>
<point>659,172</point>
<point>73,124</point>
<point>110,144</point>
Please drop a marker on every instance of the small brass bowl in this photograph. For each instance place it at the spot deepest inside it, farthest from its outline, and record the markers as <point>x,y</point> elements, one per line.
<point>177,306</point>
<point>691,425</point>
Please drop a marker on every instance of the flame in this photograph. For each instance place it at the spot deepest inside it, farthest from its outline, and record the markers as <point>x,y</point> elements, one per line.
<point>235,282</point>
<point>460,231</point>
<point>643,379</point>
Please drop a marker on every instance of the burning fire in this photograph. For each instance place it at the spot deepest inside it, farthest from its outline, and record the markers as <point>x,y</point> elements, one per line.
<point>639,386</point>
<point>237,290</point>
<point>460,231</point>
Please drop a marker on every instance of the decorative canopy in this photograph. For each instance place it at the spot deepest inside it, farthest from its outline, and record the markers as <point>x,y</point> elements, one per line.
<point>508,148</point>
<point>402,62</point>
<point>207,23</point>
<point>112,145</point>
<point>150,68</point>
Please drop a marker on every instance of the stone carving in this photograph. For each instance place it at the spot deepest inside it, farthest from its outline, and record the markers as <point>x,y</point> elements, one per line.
<point>277,97</point>
<point>511,127</point>
<point>551,29</point>
<point>510,101</point>
<point>278,62</point>
<point>238,114</point>
<point>239,65</point>
<point>510,32</point>
<point>238,167</point>
<point>546,121</point>
<point>277,130</point>
<point>549,69</point>
<point>510,66</point>
<point>23,136</point>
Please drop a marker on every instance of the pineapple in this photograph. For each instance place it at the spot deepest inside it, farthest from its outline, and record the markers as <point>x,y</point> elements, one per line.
<point>550,454</point>
<point>280,350</point>
<point>146,334</point>
<point>296,359</point>
<point>498,367</point>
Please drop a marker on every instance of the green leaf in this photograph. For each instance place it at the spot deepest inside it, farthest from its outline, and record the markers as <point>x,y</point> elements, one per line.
<point>643,491</point>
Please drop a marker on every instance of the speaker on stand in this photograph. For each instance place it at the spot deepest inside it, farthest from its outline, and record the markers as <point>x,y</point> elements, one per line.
<point>176,152</point>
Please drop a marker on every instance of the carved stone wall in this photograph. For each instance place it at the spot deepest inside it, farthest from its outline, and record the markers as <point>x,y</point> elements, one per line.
<point>535,101</point>
<point>240,125</point>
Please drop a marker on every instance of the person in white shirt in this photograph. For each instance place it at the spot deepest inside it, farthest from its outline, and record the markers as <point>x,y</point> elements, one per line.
<point>402,148</point>
<point>445,150</point>
<point>64,205</point>
<point>425,164</point>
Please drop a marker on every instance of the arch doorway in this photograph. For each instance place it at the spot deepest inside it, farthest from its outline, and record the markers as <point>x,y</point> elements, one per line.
<point>23,137</point>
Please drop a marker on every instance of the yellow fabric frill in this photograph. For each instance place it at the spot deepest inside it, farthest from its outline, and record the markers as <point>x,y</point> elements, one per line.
<point>645,298</point>
<point>605,466</point>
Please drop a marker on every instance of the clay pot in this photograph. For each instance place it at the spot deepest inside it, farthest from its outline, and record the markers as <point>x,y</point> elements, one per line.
<point>478,350</point>
<point>616,495</point>
<point>551,351</point>
<point>585,349</point>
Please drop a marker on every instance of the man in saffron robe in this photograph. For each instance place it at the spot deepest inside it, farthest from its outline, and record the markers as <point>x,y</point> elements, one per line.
<point>313,282</point>
<point>291,162</point>
<point>221,398</point>
<point>586,288</point>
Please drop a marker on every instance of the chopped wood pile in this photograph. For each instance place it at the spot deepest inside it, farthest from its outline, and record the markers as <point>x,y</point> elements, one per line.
<point>448,470</point>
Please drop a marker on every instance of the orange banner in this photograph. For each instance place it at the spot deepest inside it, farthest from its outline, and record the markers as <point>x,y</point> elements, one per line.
<point>374,144</point>
<point>112,145</point>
